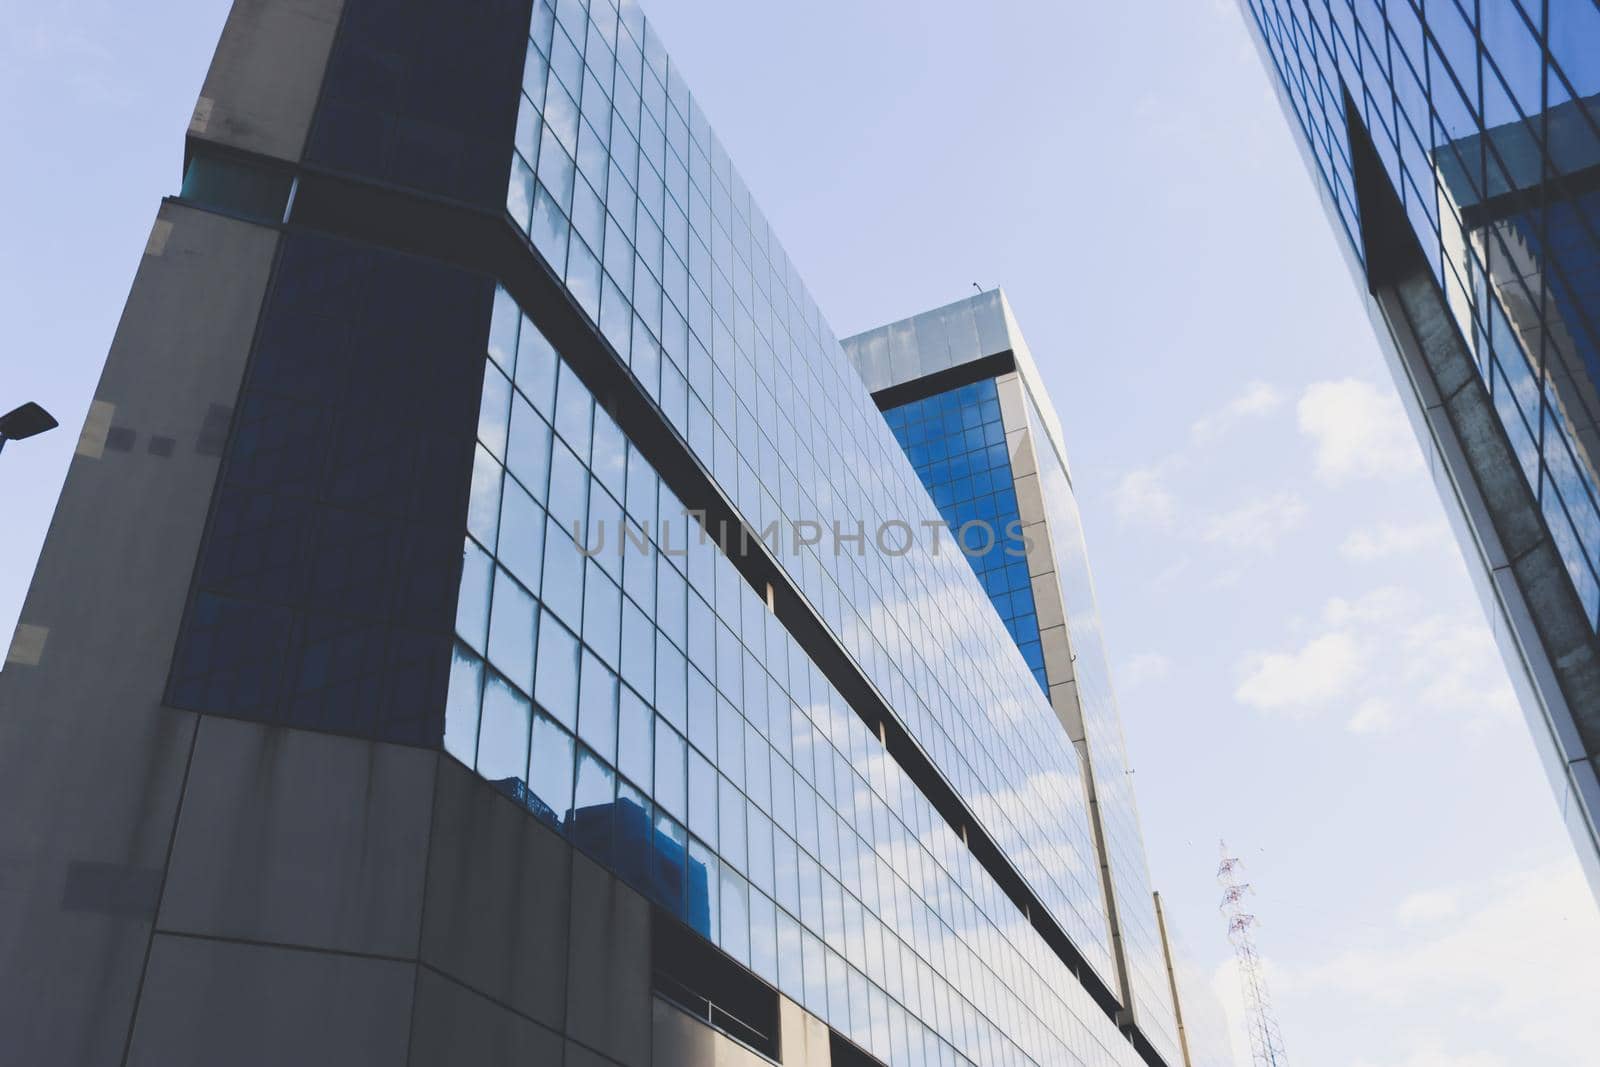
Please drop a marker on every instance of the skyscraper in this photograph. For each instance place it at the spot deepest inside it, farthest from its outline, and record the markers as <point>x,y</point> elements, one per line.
<point>477,626</point>
<point>959,388</point>
<point>1456,145</point>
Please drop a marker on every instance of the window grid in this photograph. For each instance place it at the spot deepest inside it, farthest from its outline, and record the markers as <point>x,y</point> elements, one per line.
<point>707,760</point>
<point>1467,102</point>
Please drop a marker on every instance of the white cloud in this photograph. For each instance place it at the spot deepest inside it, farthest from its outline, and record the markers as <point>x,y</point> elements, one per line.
<point>1383,660</point>
<point>1256,524</point>
<point>1358,430</point>
<point>1427,906</point>
<point>1432,1057</point>
<point>1142,497</point>
<point>1143,669</point>
<point>1455,664</point>
<point>1301,681</point>
<point>1388,539</point>
<point>1515,958</point>
<point>1384,604</point>
<point>1373,716</point>
<point>1258,399</point>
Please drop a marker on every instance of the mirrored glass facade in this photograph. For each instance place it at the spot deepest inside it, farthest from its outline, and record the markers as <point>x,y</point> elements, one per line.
<point>642,699</point>
<point>475,406</point>
<point>957,443</point>
<point>1486,116</point>
<point>660,684</point>
<point>990,451</point>
<point>1102,725</point>
<point>1457,144</point>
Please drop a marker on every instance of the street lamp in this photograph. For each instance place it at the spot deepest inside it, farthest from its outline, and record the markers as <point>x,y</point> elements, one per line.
<point>25,421</point>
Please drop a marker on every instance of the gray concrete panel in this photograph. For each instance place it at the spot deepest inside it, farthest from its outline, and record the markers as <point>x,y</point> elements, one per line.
<point>302,838</point>
<point>581,1056</point>
<point>261,91</point>
<point>91,765</point>
<point>497,905</point>
<point>608,969</point>
<point>453,1025</point>
<point>208,1003</point>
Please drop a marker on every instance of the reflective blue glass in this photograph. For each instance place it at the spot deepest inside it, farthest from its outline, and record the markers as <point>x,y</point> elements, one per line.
<point>957,444</point>
<point>1496,113</point>
<point>879,911</point>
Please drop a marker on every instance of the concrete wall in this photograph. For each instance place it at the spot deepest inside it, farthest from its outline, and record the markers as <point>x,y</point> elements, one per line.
<point>185,889</point>
<point>261,90</point>
<point>338,901</point>
<point>91,763</point>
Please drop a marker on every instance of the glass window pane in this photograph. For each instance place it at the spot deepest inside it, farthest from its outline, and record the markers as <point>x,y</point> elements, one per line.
<point>494,410</point>
<point>592,803</point>
<point>528,451</point>
<point>522,524</point>
<point>610,459</point>
<point>597,708</point>
<point>838,993</point>
<point>548,226</point>
<point>702,713</point>
<point>759,835</point>
<point>632,836</point>
<point>730,741</point>
<point>702,908</point>
<point>503,330</point>
<point>816,980</point>
<point>569,491</point>
<point>671,790</point>
<point>550,770</point>
<point>764,938</point>
<point>758,778</point>
<point>503,734</point>
<point>574,411</point>
<point>512,631</point>
<point>562,591</point>
<point>671,607</point>
<point>483,508</point>
<point>639,567</point>
<point>791,977</point>
<point>461,709</point>
<point>556,681</point>
<point>735,939</point>
<point>638,650</point>
<point>604,533</point>
<point>787,872</point>
<point>702,798</point>
<point>472,602</point>
<point>536,368</point>
<point>730,825</point>
<point>671,670</point>
<point>670,866</point>
<point>602,613</point>
<point>635,744</point>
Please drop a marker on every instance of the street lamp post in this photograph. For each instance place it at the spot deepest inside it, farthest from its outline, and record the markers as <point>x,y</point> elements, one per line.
<point>25,421</point>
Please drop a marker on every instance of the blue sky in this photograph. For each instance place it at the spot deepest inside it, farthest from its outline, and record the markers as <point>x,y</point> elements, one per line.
<point>1301,661</point>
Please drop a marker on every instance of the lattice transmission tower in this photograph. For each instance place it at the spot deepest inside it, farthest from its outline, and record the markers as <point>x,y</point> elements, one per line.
<point>1266,1042</point>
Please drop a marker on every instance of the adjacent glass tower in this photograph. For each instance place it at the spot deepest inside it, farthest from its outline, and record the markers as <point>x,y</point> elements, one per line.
<point>1457,146</point>
<point>481,601</point>
<point>960,390</point>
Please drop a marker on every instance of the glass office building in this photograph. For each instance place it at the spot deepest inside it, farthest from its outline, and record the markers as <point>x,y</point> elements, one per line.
<point>1457,146</point>
<point>959,387</point>
<point>513,640</point>
<point>957,443</point>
